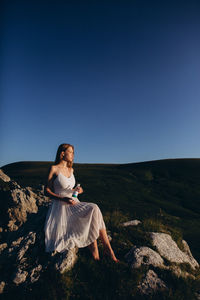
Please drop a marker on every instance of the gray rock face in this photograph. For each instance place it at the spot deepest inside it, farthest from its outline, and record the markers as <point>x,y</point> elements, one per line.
<point>66,260</point>
<point>4,177</point>
<point>2,247</point>
<point>23,249</point>
<point>27,241</point>
<point>2,285</point>
<point>167,248</point>
<point>180,273</point>
<point>35,273</point>
<point>23,202</point>
<point>131,223</point>
<point>151,284</point>
<point>144,256</point>
<point>20,276</point>
<point>18,203</point>
<point>21,245</point>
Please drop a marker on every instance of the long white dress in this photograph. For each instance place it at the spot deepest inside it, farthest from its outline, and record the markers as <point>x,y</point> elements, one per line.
<point>66,225</point>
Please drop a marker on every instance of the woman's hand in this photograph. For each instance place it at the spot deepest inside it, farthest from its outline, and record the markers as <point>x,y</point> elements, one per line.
<point>80,190</point>
<point>72,202</point>
<point>68,200</point>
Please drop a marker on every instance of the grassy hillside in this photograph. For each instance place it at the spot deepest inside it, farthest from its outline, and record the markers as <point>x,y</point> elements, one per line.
<point>164,194</point>
<point>139,190</point>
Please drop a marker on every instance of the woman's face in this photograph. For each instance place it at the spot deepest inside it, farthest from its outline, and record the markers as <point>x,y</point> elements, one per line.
<point>68,154</point>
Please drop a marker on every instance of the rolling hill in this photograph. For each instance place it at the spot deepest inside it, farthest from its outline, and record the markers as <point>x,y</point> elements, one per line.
<point>140,190</point>
<point>164,195</point>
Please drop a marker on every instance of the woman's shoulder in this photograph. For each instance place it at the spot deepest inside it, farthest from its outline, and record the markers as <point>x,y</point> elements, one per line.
<point>53,169</point>
<point>52,174</point>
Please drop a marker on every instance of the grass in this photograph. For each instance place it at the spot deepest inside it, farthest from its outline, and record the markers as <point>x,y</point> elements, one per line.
<point>164,195</point>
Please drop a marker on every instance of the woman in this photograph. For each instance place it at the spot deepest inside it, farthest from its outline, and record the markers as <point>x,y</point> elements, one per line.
<point>69,222</point>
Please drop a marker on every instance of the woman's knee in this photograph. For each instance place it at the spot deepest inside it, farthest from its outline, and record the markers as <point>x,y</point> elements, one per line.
<point>94,206</point>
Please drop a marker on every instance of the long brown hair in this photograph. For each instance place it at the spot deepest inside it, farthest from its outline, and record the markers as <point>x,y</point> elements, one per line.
<point>61,148</point>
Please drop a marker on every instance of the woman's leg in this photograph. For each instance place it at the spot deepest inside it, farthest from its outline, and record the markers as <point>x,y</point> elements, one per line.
<point>106,243</point>
<point>94,249</point>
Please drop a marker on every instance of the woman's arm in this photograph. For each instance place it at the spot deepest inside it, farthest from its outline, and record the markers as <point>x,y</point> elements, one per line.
<point>49,187</point>
<point>79,189</point>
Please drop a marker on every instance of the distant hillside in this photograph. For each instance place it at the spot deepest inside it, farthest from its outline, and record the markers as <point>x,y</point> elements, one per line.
<point>140,190</point>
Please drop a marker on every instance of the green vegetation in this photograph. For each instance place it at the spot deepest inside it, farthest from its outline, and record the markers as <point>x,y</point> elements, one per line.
<point>164,195</point>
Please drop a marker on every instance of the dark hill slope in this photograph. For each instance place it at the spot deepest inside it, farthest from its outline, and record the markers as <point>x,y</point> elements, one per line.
<point>168,188</point>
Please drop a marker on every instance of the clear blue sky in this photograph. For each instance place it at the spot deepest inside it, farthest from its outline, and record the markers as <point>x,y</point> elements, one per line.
<point>120,80</point>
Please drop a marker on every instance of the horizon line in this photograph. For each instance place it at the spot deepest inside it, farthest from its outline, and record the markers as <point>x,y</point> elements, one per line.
<point>102,163</point>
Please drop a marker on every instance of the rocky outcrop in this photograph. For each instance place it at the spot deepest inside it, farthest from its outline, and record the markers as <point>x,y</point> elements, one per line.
<point>23,203</point>
<point>151,284</point>
<point>143,256</point>
<point>35,273</point>
<point>168,249</point>
<point>17,203</point>
<point>23,258</point>
<point>20,276</point>
<point>66,260</point>
<point>4,177</point>
<point>165,255</point>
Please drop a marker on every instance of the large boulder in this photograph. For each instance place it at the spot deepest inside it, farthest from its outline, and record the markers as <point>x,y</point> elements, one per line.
<point>17,203</point>
<point>165,256</point>
<point>168,249</point>
<point>138,256</point>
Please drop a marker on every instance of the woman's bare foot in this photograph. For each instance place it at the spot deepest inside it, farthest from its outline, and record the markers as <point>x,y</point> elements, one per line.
<point>96,257</point>
<point>111,254</point>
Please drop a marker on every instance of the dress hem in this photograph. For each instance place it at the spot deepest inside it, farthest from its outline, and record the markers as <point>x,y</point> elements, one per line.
<point>85,245</point>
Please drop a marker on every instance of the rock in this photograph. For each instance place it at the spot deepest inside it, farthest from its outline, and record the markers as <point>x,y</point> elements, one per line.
<point>66,260</point>
<point>35,274</point>
<point>3,176</point>
<point>189,254</point>
<point>20,276</point>
<point>144,256</point>
<point>179,273</point>
<point>40,196</point>
<point>21,245</point>
<point>168,249</point>
<point>2,247</point>
<point>131,223</point>
<point>15,244</point>
<point>17,203</point>
<point>20,202</point>
<point>27,241</point>
<point>151,284</point>
<point>198,295</point>
<point>2,285</point>
<point>25,202</point>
